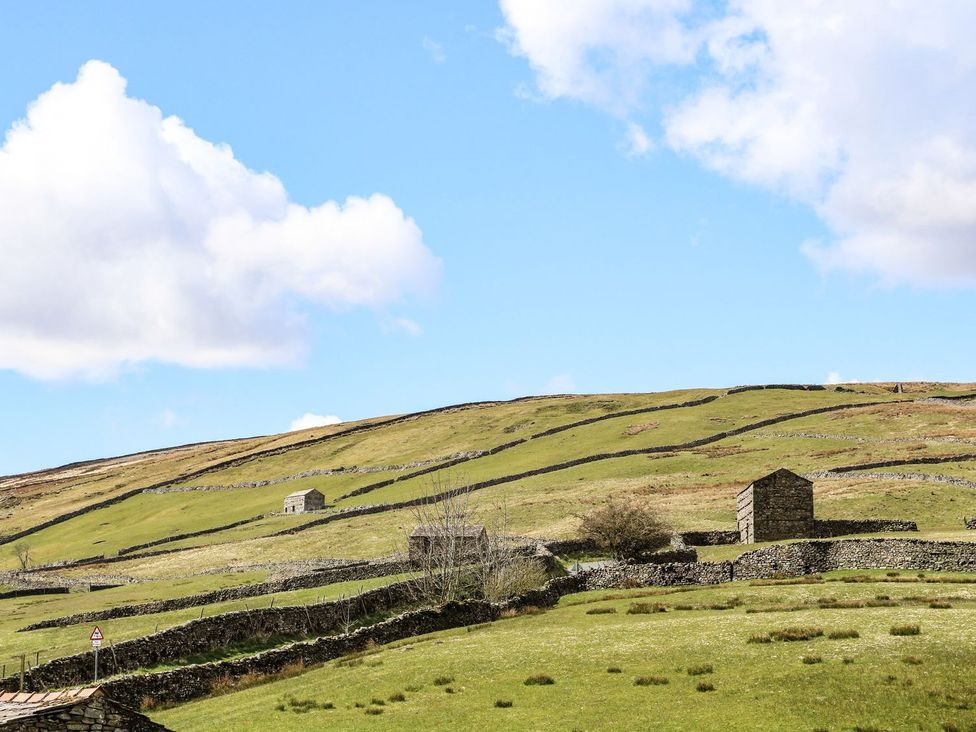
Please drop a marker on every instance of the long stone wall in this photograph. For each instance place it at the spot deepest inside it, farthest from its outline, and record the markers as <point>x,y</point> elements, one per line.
<point>813,557</point>
<point>827,528</point>
<point>218,632</point>
<point>710,538</point>
<point>362,571</point>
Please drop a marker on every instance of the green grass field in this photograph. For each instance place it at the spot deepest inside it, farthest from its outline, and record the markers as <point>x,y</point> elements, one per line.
<point>874,681</point>
<point>693,488</point>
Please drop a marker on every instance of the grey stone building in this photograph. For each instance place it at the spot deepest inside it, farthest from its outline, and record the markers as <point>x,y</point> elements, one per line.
<point>84,710</point>
<point>426,540</point>
<point>302,501</point>
<point>777,506</point>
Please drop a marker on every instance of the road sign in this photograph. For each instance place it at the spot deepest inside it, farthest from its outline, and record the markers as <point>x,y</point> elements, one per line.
<point>97,635</point>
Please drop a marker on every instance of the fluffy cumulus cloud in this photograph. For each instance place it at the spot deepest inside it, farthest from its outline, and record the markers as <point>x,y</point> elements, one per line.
<point>861,109</point>
<point>126,238</point>
<point>308,420</point>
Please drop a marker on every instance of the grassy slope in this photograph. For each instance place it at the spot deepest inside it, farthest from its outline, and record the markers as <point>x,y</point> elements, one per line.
<point>55,642</point>
<point>152,516</point>
<point>757,686</point>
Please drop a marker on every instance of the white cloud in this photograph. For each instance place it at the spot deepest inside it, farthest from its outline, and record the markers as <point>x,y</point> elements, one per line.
<point>407,326</point>
<point>834,378</point>
<point>127,238</point>
<point>168,418</point>
<point>309,420</point>
<point>861,109</point>
<point>638,143</point>
<point>559,384</point>
<point>435,49</point>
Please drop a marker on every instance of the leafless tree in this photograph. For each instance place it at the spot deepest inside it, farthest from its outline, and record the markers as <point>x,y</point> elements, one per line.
<point>626,529</point>
<point>458,561</point>
<point>23,553</point>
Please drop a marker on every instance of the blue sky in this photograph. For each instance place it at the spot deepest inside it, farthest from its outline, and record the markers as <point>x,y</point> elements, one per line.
<point>557,253</point>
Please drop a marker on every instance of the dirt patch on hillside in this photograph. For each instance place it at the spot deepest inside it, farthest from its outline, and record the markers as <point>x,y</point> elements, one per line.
<point>636,429</point>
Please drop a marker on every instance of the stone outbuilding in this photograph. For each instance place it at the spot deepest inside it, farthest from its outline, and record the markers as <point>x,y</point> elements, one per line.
<point>304,501</point>
<point>778,506</point>
<point>425,540</point>
<point>85,710</point>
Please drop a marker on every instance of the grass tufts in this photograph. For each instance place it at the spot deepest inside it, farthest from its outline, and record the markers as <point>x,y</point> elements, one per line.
<point>398,697</point>
<point>704,686</point>
<point>796,634</point>
<point>646,608</point>
<point>912,660</point>
<point>503,703</point>
<point>905,630</point>
<point>651,681</point>
<point>701,670</point>
<point>540,680</point>
<point>614,670</point>
<point>843,634</point>
<point>759,638</point>
<point>811,660</point>
<point>443,680</point>
<point>601,611</point>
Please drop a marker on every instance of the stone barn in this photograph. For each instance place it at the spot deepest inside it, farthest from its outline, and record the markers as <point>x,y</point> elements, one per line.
<point>85,710</point>
<point>303,501</point>
<point>778,506</point>
<point>425,540</point>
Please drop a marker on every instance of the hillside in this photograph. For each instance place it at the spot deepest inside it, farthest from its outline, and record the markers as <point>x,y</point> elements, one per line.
<point>167,526</point>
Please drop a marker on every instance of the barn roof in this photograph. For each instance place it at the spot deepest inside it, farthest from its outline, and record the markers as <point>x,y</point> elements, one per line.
<point>772,476</point>
<point>21,705</point>
<point>464,532</point>
<point>305,492</point>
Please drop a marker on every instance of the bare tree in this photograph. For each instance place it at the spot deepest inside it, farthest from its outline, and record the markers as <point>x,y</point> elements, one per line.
<point>23,553</point>
<point>457,557</point>
<point>626,529</point>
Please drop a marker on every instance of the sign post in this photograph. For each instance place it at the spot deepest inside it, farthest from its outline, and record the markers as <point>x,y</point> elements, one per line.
<point>96,641</point>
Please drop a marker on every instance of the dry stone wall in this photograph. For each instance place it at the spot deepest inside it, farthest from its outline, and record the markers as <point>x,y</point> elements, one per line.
<point>365,570</point>
<point>827,528</point>
<point>814,557</point>
<point>710,538</point>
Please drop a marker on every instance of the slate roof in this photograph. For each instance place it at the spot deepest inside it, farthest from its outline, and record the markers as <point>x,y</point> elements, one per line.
<point>464,532</point>
<point>20,705</point>
<point>305,492</point>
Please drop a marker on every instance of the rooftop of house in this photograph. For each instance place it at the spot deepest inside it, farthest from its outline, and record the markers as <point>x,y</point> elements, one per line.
<point>773,475</point>
<point>466,532</point>
<point>307,491</point>
<point>20,705</point>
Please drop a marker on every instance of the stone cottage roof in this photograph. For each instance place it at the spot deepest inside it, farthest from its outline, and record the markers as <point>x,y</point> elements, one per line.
<point>306,492</point>
<point>14,705</point>
<point>462,532</point>
<point>772,476</point>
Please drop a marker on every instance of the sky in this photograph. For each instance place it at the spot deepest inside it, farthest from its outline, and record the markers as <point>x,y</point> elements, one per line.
<point>227,219</point>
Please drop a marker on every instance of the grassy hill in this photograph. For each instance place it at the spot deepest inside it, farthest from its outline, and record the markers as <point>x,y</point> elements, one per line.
<point>179,521</point>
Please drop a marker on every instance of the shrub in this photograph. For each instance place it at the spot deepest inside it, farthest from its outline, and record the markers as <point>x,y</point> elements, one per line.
<point>651,681</point>
<point>810,660</point>
<point>398,697</point>
<point>912,660</point>
<point>646,608</point>
<point>705,668</point>
<point>796,634</point>
<point>503,703</point>
<point>626,529</point>
<point>905,630</point>
<point>601,611</point>
<point>614,670</point>
<point>759,639</point>
<point>443,680</point>
<point>843,634</point>
<point>540,680</point>
<point>704,686</point>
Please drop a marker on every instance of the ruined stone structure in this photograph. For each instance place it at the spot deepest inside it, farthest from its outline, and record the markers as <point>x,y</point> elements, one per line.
<point>84,710</point>
<point>778,506</point>
<point>425,540</point>
<point>303,501</point>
